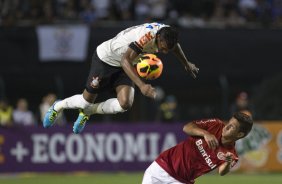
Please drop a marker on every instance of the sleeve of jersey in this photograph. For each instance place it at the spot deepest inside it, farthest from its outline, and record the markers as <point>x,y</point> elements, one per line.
<point>206,123</point>
<point>136,47</point>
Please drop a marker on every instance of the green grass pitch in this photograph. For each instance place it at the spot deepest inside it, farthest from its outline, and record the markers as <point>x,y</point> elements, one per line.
<point>131,178</point>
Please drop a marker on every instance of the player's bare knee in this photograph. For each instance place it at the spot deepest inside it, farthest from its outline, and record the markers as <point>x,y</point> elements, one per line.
<point>125,104</point>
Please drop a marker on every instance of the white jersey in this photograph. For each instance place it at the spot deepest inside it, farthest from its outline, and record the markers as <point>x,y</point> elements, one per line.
<point>142,36</point>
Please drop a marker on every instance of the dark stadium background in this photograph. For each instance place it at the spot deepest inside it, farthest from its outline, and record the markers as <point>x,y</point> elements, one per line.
<point>230,61</point>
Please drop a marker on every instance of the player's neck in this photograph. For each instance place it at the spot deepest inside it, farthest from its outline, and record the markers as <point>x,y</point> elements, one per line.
<point>226,142</point>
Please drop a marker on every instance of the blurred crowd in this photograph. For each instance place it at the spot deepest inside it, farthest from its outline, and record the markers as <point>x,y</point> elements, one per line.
<point>20,114</point>
<point>185,13</point>
<point>164,110</point>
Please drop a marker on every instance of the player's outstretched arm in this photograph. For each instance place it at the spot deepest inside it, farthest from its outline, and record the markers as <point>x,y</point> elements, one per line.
<point>126,63</point>
<point>189,67</point>
<point>193,130</point>
<point>224,168</point>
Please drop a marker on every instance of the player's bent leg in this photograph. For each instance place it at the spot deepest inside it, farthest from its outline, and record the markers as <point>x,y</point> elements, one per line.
<point>110,106</point>
<point>74,102</point>
<point>124,100</point>
<point>125,96</point>
<point>83,117</point>
<point>50,116</point>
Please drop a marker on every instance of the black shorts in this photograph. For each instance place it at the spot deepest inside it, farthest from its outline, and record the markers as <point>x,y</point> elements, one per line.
<point>103,77</point>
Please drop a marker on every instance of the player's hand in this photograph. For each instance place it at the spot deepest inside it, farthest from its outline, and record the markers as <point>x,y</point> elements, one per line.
<point>211,141</point>
<point>192,69</point>
<point>148,90</point>
<point>229,157</point>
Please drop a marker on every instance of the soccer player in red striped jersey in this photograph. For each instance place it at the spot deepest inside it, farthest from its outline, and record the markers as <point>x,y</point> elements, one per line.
<point>211,145</point>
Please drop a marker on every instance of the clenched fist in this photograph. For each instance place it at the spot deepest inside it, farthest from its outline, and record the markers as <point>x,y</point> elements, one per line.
<point>148,90</point>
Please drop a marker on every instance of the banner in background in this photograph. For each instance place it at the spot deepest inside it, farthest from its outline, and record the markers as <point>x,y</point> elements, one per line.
<point>110,147</point>
<point>261,150</point>
<point>63,43</point>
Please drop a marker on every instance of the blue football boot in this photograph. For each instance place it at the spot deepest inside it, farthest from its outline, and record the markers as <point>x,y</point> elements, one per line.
<point>80,122</point>
<point>50,116</point>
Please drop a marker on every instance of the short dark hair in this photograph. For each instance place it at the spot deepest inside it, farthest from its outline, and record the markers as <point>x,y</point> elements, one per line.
<point>170,35</point>
<point>245,121</point>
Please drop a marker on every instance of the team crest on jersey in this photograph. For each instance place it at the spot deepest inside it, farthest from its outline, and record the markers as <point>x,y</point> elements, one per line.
<point>95,82</point>
<point>220,156</point>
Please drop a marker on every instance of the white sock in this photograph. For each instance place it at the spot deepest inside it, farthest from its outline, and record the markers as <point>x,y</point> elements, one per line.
<point>110,106</point>
<point>74,102</point>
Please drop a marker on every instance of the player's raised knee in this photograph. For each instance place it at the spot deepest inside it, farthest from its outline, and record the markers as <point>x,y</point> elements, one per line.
<point>125,104</point>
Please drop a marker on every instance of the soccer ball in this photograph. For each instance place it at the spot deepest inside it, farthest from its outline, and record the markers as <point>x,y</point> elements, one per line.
<point>149,66</point>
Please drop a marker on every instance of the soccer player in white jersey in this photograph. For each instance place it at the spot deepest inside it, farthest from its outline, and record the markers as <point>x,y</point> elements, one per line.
<point>112,68</point>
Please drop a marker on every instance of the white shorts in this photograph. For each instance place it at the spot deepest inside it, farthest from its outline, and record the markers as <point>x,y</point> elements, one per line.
<point>154,174</point>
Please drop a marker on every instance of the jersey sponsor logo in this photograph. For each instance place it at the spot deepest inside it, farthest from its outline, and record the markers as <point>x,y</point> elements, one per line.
<point>145,39</point>
<point>95,82</point>
<point>206,157</point>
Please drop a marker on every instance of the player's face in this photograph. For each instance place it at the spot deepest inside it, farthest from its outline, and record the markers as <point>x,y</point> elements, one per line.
<point>162,46</point>
<point>231,130</point>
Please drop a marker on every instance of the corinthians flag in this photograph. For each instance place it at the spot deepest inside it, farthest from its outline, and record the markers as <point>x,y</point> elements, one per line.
<point>63,42</point>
